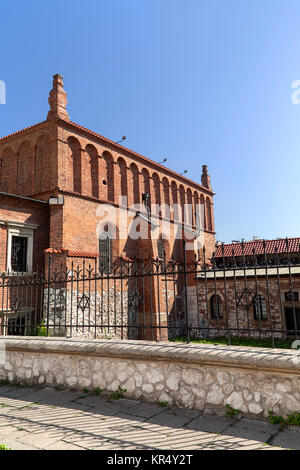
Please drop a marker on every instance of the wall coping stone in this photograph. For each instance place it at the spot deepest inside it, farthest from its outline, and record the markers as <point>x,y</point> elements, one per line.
<point>242,357</point>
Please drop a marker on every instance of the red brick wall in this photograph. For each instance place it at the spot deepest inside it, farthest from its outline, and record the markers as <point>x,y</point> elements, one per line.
<point>29,161</point>
<point>25,212</point>
<point>94,169</point>
<point>55,156</point>
<point>236,316</point>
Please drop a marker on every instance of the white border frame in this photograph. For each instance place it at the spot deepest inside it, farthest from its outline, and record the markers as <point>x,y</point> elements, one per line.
<point>25,233</point>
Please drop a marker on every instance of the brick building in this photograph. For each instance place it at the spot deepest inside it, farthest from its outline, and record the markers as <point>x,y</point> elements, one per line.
<point>250,289</point>
<point>58,183</point>
<point>82,169</point>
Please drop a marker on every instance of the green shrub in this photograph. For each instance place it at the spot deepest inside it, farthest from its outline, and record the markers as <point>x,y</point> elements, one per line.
<point>117,394</point>
<point>39,330</point>
<point>232,412</point>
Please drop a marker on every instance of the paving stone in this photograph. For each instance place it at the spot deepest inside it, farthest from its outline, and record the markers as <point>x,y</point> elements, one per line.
<point>167,418</point>
<point>216,424</point>
<point>14,402</point>
<point>6,388</point>
<point>15,445</point>
<point>129,425</point>
<point>190,414</point>
<point>55,397</point>
<point>15,392</point>
<point>235,443</point>
<point>107,408</point>
<point>136,420</point>
<point>146,410</point>
<point>40,440</point>
<point>253,429</point>
<point>91,400</point>
<point>62,445</point>
<point>6,431</point>
<point>287,439</point>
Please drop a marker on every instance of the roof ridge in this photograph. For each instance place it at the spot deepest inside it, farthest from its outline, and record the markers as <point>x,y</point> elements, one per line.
<point>22,130</point>
<point>262,240</point>
<point>139,155</point>
<point>106,139</point>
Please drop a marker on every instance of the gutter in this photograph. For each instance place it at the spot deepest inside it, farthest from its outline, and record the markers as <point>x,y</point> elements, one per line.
<point>24,198</point>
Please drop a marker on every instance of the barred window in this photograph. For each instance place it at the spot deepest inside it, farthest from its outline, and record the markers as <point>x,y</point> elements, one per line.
<point>260,307</point>
<point>105,252</point>
<point>216,307</point>
<point>19,254</point>
<point>161,249</point>
<point>290,296</point>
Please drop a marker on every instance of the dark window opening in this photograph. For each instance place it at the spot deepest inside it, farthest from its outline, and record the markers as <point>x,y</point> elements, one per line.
<point>216,307</point>
<point>292,318</point>
<point>260,308</point>
<point>290,296</point>
<point>105,252</point>
<point>16,326</point>
<point>161,249</point>
<point>19,254</point>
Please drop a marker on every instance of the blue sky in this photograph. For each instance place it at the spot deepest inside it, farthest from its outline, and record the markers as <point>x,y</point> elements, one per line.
<point>196,81</point>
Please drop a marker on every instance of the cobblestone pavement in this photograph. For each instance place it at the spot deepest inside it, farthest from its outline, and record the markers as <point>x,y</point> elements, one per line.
<point>45,418</point>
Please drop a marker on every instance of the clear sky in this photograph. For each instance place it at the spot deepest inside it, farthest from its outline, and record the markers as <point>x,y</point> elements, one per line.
<point>195,81</point>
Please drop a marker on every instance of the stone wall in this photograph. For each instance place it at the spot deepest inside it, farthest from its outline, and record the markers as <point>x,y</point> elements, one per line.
<point>81,314</point>
<point>192,376</point>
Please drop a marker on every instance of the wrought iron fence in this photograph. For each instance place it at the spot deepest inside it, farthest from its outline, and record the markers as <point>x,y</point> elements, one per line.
<point>221,298</point>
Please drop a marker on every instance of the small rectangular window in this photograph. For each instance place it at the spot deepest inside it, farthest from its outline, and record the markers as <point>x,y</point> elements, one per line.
<point>290,296</point>
<point>216,307</point>
<point>16,325</point>
<point>19,254</point>
<point>105,252</point>
<point>260,308</point>
<point>161,249</point>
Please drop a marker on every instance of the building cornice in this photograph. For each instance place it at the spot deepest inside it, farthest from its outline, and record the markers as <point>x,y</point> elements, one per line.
<point>132,154</point>
<point>113,145</point>
<point>11,223</point>
<point>23,198</point>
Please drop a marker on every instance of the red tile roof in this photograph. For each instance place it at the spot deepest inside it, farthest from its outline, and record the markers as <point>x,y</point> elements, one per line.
<point>23,130</point>
<point>258,246</point>
<point>71,254</point>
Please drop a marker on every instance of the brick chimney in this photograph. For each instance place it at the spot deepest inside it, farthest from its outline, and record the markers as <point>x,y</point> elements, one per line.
<point>58,100</point>
<point>205,178</point>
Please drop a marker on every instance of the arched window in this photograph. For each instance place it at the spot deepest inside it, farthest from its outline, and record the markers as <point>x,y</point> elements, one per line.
<point>161,248</point>
<point>24,170</point>
<point>122,177</point>
<point>41,159</point>
<point>216,309</point>
<point>105,252</point>
<point>208,214</point>
<point>260,307</point>
<point>74,165</point>
<point>109,182</point>
<point>135,183</point>
<point>189,211</point>
<point>182,203</point>
<point>202,213</point>
<point>174,200</point>
<point>92,172</point>
<point>146,187</point>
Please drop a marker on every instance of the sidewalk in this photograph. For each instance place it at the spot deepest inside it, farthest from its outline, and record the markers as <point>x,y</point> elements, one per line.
<point>32,418</point>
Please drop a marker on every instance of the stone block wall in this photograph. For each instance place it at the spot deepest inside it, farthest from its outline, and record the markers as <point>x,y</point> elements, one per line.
<point>252,380</point>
